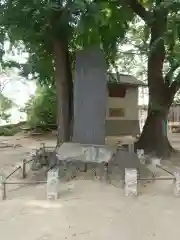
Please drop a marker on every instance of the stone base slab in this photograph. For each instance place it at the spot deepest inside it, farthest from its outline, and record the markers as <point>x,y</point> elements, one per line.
<point>85,153</point>
<point>77,161</point>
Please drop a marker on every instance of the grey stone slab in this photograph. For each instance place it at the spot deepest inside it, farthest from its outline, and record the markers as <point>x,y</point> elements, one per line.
<point>98,153</point>
<point>84,153</point>
<point>123,160</point>
<point>90,97</point>
<point>69,150</point>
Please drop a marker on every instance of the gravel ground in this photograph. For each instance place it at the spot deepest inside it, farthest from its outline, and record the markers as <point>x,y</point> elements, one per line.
<point>86,209</point>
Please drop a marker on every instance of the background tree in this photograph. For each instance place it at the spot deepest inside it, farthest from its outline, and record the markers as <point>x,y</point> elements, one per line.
<point>41,108</point>
<point>132,53</point>
<point>161,26</point>
<point>5,105</point>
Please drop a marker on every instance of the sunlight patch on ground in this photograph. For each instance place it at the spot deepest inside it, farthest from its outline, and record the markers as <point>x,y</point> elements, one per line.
<point>44,204</point>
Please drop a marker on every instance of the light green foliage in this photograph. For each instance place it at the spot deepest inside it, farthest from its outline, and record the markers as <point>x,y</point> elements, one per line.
<point>41,108</point>
<point>5,104</point>
<point>9,130</point>
<point>134,60</point>
<point>36,24</point>
<point>169,20</point>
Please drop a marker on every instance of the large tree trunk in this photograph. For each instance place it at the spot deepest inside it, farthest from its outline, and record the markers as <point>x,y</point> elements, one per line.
<point>64,87</point>
<point>161,89</point>
<point>154,138</point>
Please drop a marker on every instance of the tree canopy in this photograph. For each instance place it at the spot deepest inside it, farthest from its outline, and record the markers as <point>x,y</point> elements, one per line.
<point>35,24</point>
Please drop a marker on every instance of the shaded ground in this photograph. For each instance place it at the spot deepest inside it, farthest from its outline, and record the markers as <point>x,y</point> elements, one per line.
<point>86,209</point>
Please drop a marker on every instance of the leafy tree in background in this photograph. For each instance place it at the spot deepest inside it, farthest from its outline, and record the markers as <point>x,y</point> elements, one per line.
<point>41,108</point>
<point>132,54</point>
<point>52,31</point>
<point>5,105</point>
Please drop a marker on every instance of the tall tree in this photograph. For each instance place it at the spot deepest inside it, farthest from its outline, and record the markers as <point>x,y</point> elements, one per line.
<point>52,30</point>
<point>162,26</point>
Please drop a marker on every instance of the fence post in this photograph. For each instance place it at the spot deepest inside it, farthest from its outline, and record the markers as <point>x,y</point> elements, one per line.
<point>24,169</point>
<point>2,186</point>
<point>43,153</point>
<point>177,183</point>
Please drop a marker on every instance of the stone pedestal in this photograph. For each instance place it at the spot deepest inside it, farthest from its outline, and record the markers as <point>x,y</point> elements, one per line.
<point>84,160</point>
<point>97,162</point>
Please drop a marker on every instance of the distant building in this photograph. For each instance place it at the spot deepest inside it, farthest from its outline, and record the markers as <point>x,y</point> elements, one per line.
<point>173,116</point>
<point>122,115</point>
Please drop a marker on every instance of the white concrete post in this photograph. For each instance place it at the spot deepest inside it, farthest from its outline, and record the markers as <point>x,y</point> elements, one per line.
<point>177,183</point>
<point>131,147</point>
<point>155,161</point>
<point>141,156</point>
<point>131,182</point>
<point>2,186</point>
<point>53,184</point>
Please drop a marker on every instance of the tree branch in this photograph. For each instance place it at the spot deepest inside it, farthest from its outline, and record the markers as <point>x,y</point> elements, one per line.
<point>139,10</point>
<point>175,86</point>
<point>170,73</point>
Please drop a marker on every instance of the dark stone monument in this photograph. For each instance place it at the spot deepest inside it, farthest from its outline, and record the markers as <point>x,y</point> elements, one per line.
<point>90,97</point>
<point>88,152</point>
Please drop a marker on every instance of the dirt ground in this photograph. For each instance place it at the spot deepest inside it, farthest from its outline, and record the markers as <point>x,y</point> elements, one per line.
<point>86,209</point>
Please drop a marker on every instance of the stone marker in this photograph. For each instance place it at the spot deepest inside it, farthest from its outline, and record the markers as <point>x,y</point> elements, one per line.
<point>131,182</point>
<point>90,97</point>
<point>141,156</point>
<point>140,152</point>
<point>53,184</point>
<point>23,169</point>
<point>155,161</point>
<point>177,183</point>
<point>90,103</point>
<point>131,147</point>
